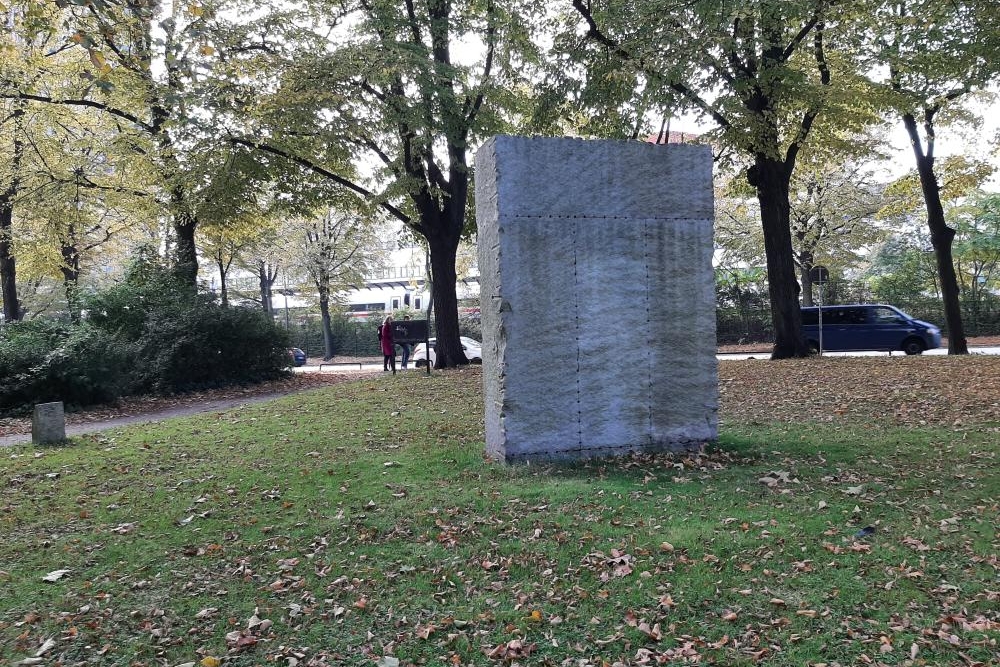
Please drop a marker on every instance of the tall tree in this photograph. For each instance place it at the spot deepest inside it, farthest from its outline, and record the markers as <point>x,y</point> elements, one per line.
<point>78,174</point>
<point>16,51</point>
<point>925,84</point>
<point>832,213</point>
<point>11,133</point>
<point>144,61</point>
<point>335,250</point>
<point>384,86</point>
<point>761,70</point>
<point>977,245</point>
<point>224,245</point>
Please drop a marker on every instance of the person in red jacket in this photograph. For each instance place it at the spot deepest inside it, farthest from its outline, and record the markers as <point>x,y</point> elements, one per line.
<point>388,347</point>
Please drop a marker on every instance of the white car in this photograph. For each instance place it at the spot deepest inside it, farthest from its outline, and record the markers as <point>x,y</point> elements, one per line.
<point>473,352</point>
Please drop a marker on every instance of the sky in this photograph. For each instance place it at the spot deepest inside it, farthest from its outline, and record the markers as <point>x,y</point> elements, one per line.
<point>983,142</point>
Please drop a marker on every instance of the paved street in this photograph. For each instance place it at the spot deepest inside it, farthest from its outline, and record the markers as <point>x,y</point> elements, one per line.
<point>356,367</point>
<point>993,350</point>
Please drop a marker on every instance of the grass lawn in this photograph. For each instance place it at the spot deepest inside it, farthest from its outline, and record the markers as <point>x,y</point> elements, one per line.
<point>844,518</point>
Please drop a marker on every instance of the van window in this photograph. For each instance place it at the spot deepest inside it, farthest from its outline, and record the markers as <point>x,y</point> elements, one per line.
<point>810,317</point>
<point>845,316</point>
<point>886,316</point>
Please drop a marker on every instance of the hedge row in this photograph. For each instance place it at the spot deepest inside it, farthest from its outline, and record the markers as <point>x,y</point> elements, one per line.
<point>148,335</point>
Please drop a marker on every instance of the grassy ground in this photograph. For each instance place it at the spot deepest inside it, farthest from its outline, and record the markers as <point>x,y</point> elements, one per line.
<point>360,524</point>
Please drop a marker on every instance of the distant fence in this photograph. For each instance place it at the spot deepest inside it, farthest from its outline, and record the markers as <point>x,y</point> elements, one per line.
<point>357,338</point>
<point>734,325</point>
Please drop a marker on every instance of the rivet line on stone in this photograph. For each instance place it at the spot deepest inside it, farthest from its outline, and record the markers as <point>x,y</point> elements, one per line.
<point>649,365</point>
<point>576,319</point>
<point>602,217</point>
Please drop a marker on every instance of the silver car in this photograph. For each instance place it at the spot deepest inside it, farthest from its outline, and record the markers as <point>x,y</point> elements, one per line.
<point>473,352</point>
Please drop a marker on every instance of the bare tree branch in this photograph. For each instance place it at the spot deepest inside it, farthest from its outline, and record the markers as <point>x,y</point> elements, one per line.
<point>595,33</point>
<point>325,173</point>
<point>810,116</point>
<point>81,103</point>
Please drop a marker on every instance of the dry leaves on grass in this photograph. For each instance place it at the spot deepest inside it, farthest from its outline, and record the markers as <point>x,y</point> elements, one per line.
<point>908,391</point>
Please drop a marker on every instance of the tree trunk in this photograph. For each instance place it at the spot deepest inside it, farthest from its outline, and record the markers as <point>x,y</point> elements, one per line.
<point>771,178</point>
<point>265,289</point>
<point>942,237</point>
<point>8,264</point>
<point>223,287</point>
<point>805,275</point>
<point>807,287</point>
<point>449,345</point>
<point>185,253</point>
<point>71,278</point>
<point>324,311</point>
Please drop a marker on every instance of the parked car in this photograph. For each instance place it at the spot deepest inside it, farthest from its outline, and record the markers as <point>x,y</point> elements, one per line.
<point>473,352</point>
<point>298,356</point>
<point>868,327</point>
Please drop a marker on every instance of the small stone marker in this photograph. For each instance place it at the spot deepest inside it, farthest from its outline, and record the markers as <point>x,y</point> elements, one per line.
<point>48,423</point>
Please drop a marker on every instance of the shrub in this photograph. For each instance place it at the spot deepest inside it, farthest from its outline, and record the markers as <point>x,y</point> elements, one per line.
<point>148,334</point>
<point>210,346</point>
<point>46,361</point>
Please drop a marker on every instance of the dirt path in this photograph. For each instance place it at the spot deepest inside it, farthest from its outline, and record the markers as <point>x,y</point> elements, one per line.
<point>15,431</point>
<point>125,420</point>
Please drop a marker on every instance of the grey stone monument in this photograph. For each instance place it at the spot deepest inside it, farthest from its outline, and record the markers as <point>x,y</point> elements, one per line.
<point>598,297</point>
<point>48,423</point>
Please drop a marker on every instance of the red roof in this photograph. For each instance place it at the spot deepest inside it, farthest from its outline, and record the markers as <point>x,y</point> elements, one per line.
<point>673,137</point>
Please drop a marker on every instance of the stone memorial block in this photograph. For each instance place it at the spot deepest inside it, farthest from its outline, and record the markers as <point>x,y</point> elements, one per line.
<point>598,297</point>
<point>48,423</point>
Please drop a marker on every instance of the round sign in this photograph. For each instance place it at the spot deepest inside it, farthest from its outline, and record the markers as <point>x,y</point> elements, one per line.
<point>819,274</point>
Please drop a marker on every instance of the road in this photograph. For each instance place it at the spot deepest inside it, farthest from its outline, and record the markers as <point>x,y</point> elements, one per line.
<point>941,351</point>
<point>377,366</point>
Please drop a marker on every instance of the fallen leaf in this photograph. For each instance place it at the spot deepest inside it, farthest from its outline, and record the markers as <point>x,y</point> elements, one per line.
<point>47,646</point>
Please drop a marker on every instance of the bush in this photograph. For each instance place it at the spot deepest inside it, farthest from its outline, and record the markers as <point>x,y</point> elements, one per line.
<point>210,346</point>
<point>147,334</point>
<point>45,362</point>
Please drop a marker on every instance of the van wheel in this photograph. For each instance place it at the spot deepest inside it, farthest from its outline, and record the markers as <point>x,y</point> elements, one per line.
<point>813,346</point>
<point>420,363</point>
<point>913,346</point>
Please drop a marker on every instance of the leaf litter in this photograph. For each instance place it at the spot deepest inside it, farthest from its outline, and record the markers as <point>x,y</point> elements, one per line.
<point>725,557</point>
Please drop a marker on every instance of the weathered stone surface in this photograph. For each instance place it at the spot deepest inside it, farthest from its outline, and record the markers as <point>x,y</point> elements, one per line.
<point>48,423</point>
<point>598,304</point>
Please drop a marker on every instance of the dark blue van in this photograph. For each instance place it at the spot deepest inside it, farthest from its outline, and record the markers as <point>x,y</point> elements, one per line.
<point>868,327</point>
